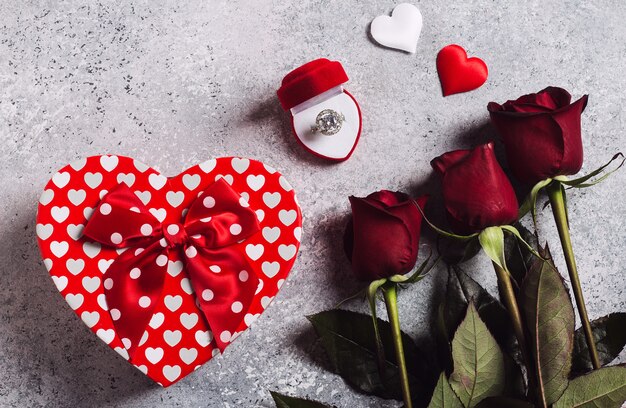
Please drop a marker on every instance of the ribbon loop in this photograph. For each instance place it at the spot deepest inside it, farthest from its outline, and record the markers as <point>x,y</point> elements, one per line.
<point>121,220</point>
<point>208,242</point>
<point>221,217</point>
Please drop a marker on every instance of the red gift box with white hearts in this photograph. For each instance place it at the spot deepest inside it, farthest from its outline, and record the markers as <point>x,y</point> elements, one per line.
<point>168,271</point>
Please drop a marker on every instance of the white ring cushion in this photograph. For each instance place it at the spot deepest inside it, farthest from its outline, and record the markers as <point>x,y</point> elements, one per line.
<point>339,145</point>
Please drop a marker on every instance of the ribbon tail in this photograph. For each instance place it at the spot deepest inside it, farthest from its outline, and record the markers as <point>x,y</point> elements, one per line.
<point>225,286</point>
<point>133,288</point>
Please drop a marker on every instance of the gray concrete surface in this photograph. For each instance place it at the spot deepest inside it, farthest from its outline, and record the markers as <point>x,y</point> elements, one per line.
<point>173,83</point>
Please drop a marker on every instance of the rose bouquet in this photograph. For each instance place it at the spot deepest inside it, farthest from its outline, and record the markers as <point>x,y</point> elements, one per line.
<point>520,349</point>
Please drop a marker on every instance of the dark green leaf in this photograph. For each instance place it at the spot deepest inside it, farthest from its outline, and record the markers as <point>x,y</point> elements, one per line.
<point>609,333</point>
<point>478,362</point>
<point>455,252</point>
<point>515,385</point>
<point>549,317</point>
<point>350,344</point>
<point>603,388</point>
<point>443,340</point>
<point>518,257</point>
<point>444,396</point>
<point>284,401</point>
<point>504,402</point>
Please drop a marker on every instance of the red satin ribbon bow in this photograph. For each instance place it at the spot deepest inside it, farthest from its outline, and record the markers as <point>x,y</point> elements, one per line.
<point>219,273</point>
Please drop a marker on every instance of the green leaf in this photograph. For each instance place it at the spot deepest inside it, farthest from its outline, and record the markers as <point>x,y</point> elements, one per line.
<point>504,402</point>
<point>610,338</point>
<point>492,241</point>
<point>478,362</point>
<point>462,289</point>
<point>581,181</point>
<point>549,317</point>
<point>530,203</point>
<point>349,341</point>
<point>443,232</point>
<point>444,396</point>
<point>284,401</point>
<point>602,388</point>
<point>418,274</point>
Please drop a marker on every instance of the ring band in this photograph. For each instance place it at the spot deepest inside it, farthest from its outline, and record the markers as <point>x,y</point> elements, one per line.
<point>328,122</point>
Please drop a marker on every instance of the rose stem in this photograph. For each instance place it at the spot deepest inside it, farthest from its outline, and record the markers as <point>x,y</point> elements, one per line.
<point>504,277</point>
<point>557,201</point>
<point>391,301</point>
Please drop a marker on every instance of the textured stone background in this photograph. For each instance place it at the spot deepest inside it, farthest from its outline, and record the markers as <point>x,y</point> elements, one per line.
<point>173,83</point>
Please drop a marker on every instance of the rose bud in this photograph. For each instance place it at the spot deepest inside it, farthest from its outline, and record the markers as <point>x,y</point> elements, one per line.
<point>381,239</point>
<point>541,134</point>
<point>476,192</point>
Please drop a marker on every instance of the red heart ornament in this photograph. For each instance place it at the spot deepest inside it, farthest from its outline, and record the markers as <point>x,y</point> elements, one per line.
<point>177,339</point>
<point>457,73</point>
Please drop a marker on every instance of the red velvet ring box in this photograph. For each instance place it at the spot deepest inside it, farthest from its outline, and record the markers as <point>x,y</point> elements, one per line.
<point>315,87</point>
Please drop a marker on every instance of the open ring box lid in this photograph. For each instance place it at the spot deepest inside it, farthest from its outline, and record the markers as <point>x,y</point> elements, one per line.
<point>312,88</point>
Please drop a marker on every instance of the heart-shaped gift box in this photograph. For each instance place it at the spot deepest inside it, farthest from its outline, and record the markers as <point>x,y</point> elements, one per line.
<point>92,197</point>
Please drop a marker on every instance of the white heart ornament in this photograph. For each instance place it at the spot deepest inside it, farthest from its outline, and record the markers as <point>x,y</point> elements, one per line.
<point>400,31</point>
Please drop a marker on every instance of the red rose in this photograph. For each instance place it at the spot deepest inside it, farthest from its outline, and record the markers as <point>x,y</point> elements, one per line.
<point>541,133</point>
<point>381,239</point>
<point>476,192</point>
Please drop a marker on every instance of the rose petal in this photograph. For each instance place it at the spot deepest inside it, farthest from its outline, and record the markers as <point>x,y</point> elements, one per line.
<point>373,254</point>
<point>477,194</point>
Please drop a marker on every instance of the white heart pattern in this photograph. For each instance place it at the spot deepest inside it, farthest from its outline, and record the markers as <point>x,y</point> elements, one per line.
<point>60,282</point>
<point>44,231</point>
<point>191,181</point>
<point>177,338</point>
<point>109,162</point>
<point>271,234</point>
<point>46,197</point>
<point>76,197</point>
<point>61,179</point>
<point>240,165</point>
<point>255,182</point>
<point>188,355</point>
<point>60,214</point>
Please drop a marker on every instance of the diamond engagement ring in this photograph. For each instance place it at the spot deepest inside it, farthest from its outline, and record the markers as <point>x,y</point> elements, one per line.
<point>328,122</point>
